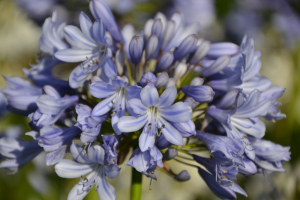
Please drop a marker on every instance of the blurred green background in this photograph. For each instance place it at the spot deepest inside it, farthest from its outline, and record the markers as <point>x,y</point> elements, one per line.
<point>226,20</point>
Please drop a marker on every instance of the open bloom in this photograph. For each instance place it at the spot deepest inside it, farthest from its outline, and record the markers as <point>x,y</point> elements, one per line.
<point>153,113</point>
<point>89,125</point>
<point>55,141</point>
<point>89,45</point>
<point>117,93</point>
<point>51,106</point>
<point>93,164</point>
<point>19,152</point>
<point>147,161</point>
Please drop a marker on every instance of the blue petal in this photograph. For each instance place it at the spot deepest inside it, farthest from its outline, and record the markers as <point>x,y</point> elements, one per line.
<point>221,49</point>
<point>217,66</point>
<point>71,169</point>
<point>100,89</point>
<point>137,106</point>
<point>77,192</point>
<point>85,25</point>
<point>201,93</point>
<point>98,31</point>
<point>217,189</point>
<point>73,55</point>
<point>77,40</point>
<point>170,133</point>
<point>96,154</point>
<point>187,129</point>
<point>168,97</point>
<point>130,123</point>
<point>77,77</point>
<point>78,154</point>
<point>179,112</point>
<point>149,95</point>
<point>100,11</point>
<point>112,171</point>
<point>146,140</point>
<point>110,69</point>
<point>133,91</point>
<point>104,189</point>
<point>104,106</point>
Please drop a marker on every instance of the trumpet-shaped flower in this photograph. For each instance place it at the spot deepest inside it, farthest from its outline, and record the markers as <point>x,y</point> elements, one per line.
<point>90,46</point>
<point>89,125</point>
<point>147,161</point>
<point>51,106</point>
<point>117,93</point>
<point>92,164</point>
<point>20,152</point>
<point>153,113</point>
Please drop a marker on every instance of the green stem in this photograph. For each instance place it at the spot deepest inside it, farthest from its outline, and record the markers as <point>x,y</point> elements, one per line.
<point>136,185</point>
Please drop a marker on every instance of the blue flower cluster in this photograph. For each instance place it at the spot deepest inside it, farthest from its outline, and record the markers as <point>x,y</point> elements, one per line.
<point>165,93</point>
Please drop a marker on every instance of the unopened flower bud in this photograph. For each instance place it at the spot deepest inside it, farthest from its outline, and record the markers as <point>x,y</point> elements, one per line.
<point>165,62</point>
<point>136,49</point>
<point>183,176</point>
<point>201,51</point>
<point>180,71</point>
<point>222,48</point>
<point>186,47</point>
<point>157,28</point>
<point>162,80</point>
<point>151,46</point>
<point>197,81</point>
<point>170,153</point>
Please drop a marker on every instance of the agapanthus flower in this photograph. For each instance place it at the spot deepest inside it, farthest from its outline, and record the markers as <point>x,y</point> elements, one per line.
<point>55,141</point>
<point>269,156</point>
<point>117,94</point>
<point>219,190</point>
<point>52,38</point>
<point>51,106</point>
<point>146,161</point>
<point>92,164</point>
<point>153,113</point>
<point>89,125</point>
<point>110,144</point>
<point>19,152</point>
<point>21,95</point>
<point>89,45</point>
<point>150,91</point>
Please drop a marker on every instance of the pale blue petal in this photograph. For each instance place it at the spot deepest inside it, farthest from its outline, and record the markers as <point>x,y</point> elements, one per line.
<point>98,31</point>
<point>168,97</point>
<point>112,171</point>
<point>77,192</point>
<point>130,123</point>
<point>117,116</point>
<point>78,154</point>
<point>110,68</point>
<point>73,55</point>
<point>85,25</point>
<point>149,95</point>
<point>170,132</point>
<point>77,40</point>
<point>179,112</point>
<point>70,169</point>
<point>100,89</point>
<point>104,189</point>
<point>134,91</point>
<point>104,106</point>
<point>77,77</point>
<point>146,140</point>
<point>96,154</point>
<point>137,106</point>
